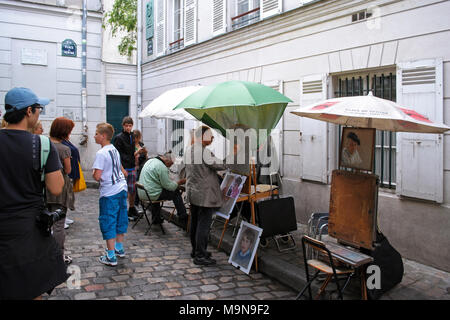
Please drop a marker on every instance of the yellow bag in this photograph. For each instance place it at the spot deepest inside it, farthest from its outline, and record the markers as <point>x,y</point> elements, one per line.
<point>80,184</point>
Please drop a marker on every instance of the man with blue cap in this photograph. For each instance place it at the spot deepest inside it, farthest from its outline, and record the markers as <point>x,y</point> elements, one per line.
<point>31,261</point>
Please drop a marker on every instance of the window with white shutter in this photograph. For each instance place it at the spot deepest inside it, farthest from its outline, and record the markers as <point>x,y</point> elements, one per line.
<point>247,12</point>
<point>177,40</point>
<point>420,156</point>
<point>219,17</point>
<point>190,22</point>
<point>160,27</point>
<point>313,133</point>
<point>270,7</point>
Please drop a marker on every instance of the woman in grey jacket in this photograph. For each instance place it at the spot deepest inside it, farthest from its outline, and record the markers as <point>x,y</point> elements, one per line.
<point>203,192</point>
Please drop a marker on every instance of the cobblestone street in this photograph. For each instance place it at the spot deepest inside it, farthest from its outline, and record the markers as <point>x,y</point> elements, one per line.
<point>156,266</point>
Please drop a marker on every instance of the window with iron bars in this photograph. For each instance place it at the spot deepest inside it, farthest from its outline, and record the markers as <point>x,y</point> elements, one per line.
<point>177,140</point>
<point>382,85</point>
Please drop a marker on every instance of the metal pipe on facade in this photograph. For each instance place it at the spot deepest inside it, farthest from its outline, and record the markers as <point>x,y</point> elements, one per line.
<point>138,64</point>
<point>84,136</point>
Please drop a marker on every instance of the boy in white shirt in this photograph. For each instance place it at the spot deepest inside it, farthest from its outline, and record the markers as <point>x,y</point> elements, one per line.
<point>113,217</point>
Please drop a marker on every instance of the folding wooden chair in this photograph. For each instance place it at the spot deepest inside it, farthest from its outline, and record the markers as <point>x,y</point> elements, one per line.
<point>148,204</point>
<point>327,267</point>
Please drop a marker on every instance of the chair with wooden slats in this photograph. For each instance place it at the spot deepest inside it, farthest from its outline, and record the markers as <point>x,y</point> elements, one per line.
<point>325,266</point>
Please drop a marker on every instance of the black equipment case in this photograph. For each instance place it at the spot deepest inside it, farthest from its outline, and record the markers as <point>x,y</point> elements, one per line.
<point>276,217</point>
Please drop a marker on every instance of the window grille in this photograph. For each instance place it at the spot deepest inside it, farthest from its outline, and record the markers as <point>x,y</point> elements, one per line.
<point>177,137</point>
<point>382,86</point>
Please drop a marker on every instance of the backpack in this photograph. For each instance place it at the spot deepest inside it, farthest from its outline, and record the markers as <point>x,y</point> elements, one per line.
<point>390,262</point>
<point>42,144</point>
<point>45,151</point>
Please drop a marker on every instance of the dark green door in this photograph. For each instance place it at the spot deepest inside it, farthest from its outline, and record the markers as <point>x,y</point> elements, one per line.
<point>117,108</point>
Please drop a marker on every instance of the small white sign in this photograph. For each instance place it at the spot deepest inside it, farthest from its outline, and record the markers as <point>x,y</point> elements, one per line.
<point>34,56</point>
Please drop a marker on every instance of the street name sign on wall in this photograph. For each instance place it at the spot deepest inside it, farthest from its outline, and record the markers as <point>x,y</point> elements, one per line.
<point>69,48</point>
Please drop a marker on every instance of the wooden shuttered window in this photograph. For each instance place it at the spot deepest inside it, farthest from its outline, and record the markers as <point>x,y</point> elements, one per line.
<point>313,133</point>
<point>421,156</point>
<point>190,22</point>
<point>219,17</point>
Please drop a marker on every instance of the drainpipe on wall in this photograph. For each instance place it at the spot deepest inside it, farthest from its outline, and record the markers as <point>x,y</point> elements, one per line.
<point>138,63</point>
<point>84,137</point>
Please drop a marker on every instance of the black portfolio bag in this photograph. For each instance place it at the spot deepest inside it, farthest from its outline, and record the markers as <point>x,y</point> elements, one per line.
<point>276,216</point>
<point>390,263</point>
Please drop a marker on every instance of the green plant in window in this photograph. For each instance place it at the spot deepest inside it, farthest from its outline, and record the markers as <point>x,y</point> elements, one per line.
<point>123,18</point>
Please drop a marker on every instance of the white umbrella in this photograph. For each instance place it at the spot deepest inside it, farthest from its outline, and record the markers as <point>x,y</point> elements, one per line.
<point>162,106</point>
<point>370,112</point>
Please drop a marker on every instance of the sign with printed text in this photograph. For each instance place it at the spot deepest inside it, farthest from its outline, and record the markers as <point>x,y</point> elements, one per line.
<point>69,48</point>
<point>34,56</point>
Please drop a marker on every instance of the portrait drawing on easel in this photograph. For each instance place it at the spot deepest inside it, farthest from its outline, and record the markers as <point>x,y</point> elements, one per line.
<point>231,188</point>
<point>357,148</point>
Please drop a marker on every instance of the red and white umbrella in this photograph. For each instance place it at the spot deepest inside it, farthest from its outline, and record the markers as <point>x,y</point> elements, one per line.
<point>370,112</point>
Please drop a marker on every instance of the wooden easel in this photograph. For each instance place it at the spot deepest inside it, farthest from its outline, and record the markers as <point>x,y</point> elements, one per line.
<point>250,196</point>
<point>353,215</point>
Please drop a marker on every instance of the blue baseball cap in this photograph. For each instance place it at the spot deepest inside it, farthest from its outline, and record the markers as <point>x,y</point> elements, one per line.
<point>21,98</point>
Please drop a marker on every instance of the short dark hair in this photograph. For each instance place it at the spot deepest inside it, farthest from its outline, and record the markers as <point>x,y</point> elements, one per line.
<point>61,128</point>
<point>16,116</point>
<point>127,120</point>
<point>354,137</point>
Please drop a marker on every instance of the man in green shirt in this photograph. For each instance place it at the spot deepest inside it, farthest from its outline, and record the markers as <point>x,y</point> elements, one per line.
<point>155,179</point>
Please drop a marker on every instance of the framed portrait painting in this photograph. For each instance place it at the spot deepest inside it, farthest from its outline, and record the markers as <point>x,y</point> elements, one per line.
<point>231,189</point>
<point>245,246</point>
<point>357,148</point>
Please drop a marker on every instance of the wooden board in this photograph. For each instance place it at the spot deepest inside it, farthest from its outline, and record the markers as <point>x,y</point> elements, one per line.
<point>353,202</point>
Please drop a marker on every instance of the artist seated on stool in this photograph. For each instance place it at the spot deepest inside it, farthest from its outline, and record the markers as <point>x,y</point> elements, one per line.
<point>155,179</point>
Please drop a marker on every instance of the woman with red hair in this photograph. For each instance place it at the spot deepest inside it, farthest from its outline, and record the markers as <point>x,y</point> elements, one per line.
<point>59,131</point>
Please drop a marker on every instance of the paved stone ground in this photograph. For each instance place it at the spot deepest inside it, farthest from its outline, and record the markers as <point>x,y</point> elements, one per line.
<point>156,266</point>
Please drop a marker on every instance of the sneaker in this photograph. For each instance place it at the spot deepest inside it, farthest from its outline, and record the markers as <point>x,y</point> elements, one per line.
<point>120,253</point>
<point>204,261</point>
<point>67,260</point>
<point>69,221</point>
<point>108,261</point>
<point>66,226</point>
<point>132,214</point>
